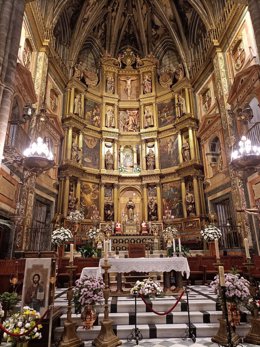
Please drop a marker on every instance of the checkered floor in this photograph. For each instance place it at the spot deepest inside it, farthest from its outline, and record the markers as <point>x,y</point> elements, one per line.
<point>171,343</point>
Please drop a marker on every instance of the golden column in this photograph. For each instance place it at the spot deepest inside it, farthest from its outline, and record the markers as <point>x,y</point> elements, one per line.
<point>187,100</point>
<point>67,104</point>
<point>202,199</point>
<point>196,195</point>
<point>102,197</point>
<point>156,150</point>
<point>116,207</point>
<point>145,205</point>
<point>72,99</point>
<point>80,144</point>
<point>69,143</point>
<point>159,201</point>
<point>66,196</point>
<point>143,156</point>
<point>191,142</point>
<point>183,194</point>
<point>196,146</point>
<point>115,156</point>
<point>60,198</point>
<point>180,147</point>
<point>78,191</point>
<point>135,156</point>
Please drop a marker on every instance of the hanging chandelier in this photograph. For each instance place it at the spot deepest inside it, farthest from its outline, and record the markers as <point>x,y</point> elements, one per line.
<point>246,155</point>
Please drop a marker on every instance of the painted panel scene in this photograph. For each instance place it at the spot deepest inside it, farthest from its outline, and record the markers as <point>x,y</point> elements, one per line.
<point>166,113</point>
<point>129,120</point>
<point>169,151</point>
<point>172,199</point>
<point>91,151</point>
<point>89,199</point>
<point>93,113</point>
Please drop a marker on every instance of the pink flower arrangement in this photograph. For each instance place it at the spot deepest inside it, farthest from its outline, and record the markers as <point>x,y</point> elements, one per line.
<point>237,288</point>
<point>88,291</point>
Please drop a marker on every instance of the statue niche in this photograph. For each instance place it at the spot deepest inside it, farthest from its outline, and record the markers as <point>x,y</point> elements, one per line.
<point>109,211</point>
<point>109,160</point>
<point>150,160</point>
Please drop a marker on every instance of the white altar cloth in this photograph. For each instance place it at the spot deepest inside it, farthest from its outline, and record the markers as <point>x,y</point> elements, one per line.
<point>121,265</point>
<point>91,272</point>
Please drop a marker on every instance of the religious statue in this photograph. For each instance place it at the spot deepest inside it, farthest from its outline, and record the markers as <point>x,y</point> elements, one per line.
<point>130,210</point>
<point>75,151</point>
<point>110,117</point>
<point>128,87</point>
<point>190,203</point>
<point>78,71</point>
<point>118,228</point>
<point>77,105</point>
<point>148,117</point>
<point>150,160</point>
<point>180,106</point>
<point>147,83</point>
<point>109,160</point>
<point>179,72</point>
<point>72,204</point>
<point>110,84</point>
<point>185,150</point>
<point>152,210</point>
<point>144,228</point>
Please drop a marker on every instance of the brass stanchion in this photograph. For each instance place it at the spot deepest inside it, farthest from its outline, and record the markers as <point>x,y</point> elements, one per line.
<point>69,337</point>
<point>106,337</point>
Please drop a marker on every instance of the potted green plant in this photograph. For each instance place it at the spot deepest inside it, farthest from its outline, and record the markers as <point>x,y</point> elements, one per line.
<point>8,301</point>
<point>88,251</point>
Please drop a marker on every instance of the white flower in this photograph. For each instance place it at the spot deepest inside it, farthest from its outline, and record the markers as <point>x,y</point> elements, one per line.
<point>75,216</point>
<point>211,233</point>
<point>60,236</point>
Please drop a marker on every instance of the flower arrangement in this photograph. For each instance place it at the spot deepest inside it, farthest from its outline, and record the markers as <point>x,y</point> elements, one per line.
<point>237,288</point>
<point>147,287</point>
<point>21,323</point>
<point>92,233</point>
<point>60,236</point>
<point>170,233</point>
<point>75,216</point>
<point>88,291</point>
<point>211,233</point>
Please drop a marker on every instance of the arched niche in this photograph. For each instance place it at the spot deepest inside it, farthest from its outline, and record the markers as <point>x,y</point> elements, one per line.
<point>126,194</point>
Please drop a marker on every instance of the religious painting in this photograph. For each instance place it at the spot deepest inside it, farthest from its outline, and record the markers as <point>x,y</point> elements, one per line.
<point>91,152</point>
<point>129,120</point>
<point>152,203</point>
<point>172,199</point>
<point>166,113</point>
<point>168,147</point>
<point>89,200</point>
<point>128,87</point>
<point>36,285</point>
<point>93,113</point>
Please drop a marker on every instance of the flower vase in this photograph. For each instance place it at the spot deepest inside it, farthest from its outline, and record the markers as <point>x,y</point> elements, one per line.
<point>211,248</point>
<point>233,314</point>
<point>89,316</point>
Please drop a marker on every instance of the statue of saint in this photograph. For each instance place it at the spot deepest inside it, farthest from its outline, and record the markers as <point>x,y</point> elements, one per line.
<point>190,203</point>
<point>152,210</point>
<point>128,86</point>
<point>110,117</point>
<point>185,150</point>
<point>148,117</point>
<point>109,160</point>
<point>77,105</point>
<point>75,151</point>
<point>147,83</point>
<point>180,106</point>
<point>78,71</point>
<point>110,84</point>
<point>150,160</point>
<point>130,209</point>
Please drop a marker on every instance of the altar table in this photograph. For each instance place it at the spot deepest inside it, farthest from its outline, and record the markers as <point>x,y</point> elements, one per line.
<point>165,265</point>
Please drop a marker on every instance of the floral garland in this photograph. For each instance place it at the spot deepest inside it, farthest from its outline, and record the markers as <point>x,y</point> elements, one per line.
<point>21,322</point>
<point>60,236</point>
<point>211,233</point>
<point>237,288</point>
<point>75,216</point>
<point>147,287</point>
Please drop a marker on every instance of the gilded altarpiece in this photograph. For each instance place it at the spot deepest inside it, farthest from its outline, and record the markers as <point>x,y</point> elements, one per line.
<point>91,152</point>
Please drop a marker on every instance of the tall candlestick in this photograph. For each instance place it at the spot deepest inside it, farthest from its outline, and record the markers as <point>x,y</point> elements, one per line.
<point>217,249</point>
<point>110,245</point>
<point>179,241</point>
<point>173,246</point>
<point>221,276</point>
<point>247,248</point>
<point>71,253</point>
<point>106,249</point>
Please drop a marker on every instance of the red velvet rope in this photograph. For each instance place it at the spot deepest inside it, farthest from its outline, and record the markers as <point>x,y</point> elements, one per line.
<point>162,313</point>
<point>28,331</point>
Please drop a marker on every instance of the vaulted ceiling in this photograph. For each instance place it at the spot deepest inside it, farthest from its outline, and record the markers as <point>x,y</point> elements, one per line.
<point>165,28</point>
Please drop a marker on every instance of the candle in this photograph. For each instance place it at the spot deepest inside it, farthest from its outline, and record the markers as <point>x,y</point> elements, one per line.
<point>221,276</point>
<point>217,249</point>
<point>173,246</point>
<point>71,252</point>
<point>106,249</point>
<point>247,248</point>
<point>179,241</point>
<point>110,245</point>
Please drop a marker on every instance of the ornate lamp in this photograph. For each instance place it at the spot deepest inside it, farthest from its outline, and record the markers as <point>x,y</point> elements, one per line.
<point>38,157</point>
<point>246,156</point>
